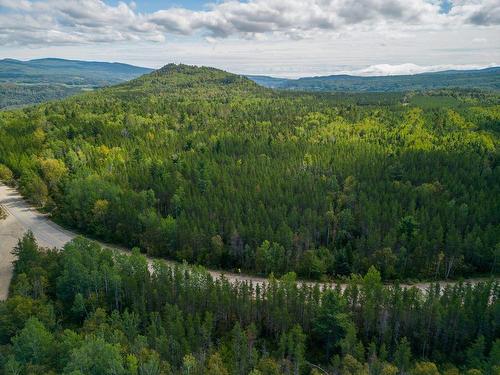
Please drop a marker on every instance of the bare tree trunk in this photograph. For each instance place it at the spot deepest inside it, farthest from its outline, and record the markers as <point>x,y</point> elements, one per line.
<point>450,266</point>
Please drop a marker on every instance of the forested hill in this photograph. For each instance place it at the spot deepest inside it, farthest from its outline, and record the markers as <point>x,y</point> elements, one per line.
<point>71,72</point>
<point>201,165</point>
<point>180,79</point>
<point>34,81</point>
<point>488,79</point>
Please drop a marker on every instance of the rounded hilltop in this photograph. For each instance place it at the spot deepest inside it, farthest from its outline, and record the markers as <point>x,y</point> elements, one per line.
<point>172,68</point>
<point>183,77</point>
<point>200,73</point>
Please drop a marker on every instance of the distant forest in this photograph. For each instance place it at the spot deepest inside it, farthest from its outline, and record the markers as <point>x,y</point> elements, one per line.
<point>35,81</point>
<point>486,79</point>
<point>200,165</point>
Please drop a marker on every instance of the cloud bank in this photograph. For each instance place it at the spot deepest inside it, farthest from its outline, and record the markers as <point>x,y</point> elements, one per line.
<point>55,22</point>
<point>410,69</point>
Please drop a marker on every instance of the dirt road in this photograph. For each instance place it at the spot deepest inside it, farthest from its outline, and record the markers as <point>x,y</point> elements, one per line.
<point>22,217</point>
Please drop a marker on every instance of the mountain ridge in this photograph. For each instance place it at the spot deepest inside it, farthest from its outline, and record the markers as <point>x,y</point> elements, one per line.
<point>63,71</point>
<point>35,81</point>
<point>486,78</point>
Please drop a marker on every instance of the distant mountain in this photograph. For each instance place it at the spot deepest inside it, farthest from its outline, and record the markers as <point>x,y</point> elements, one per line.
<point>69,72</point>
<point>34,81</point>
<point>488,78</point>
<point>271,82</point>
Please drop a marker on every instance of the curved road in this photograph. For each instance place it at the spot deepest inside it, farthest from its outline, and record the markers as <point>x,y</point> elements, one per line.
<point>22,217</point>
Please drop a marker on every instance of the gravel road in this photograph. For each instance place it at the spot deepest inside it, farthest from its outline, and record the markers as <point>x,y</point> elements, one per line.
<point>22,217</point>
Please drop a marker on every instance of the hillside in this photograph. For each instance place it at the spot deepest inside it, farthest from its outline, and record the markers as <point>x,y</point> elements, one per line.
<point>488,79</point>
<point>199,165</point>
<point>202,165</point>
<point>34,81</point>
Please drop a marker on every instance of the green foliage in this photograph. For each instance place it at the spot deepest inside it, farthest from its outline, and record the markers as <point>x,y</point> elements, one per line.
<point>15,312</point>
<point>26,253</point>
<point>476,354</point>
<point>402,355</point>
<point>201,165</point>
<point>14,95</point>
<point>33,344</point>
<point>293,347</point>
<point>6,174</point>
<point>216,366</point>
<point>35,188</point>
<point>95,357</point>
<point>107,313</point>
<point>270,258</point>
<point>332,321</point>
<point>425,368</point>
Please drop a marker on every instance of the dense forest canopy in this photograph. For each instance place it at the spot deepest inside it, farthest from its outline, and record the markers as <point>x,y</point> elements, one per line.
<point>201,165</point>
<point>88,311</point>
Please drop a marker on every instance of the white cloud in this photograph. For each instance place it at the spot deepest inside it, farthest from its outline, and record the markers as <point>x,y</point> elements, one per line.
<point>94,21</point>
<point>409,68</point>
<point>295,17</point>
<point>72,22</point>
<point>288,38</point>
<point>16,4</point>
<point>477,12</point>
<point>479,40</point>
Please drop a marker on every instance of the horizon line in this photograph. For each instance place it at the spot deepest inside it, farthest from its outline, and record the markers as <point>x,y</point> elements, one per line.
<point>367,72</point>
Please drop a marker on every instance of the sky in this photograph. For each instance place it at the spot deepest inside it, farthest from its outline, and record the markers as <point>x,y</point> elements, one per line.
<point>283,38</point>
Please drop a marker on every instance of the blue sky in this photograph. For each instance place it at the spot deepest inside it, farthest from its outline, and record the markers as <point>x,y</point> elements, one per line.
<point>275,37</point>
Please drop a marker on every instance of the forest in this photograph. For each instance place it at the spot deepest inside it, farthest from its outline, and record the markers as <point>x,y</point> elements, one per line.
<point>14,95</point>
<point>87,310</point>
<point>29,82</point>
<point>487,79</point>
<point>203,166</point>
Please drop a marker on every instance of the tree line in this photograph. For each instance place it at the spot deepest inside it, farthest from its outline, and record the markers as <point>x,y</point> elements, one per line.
<point>87,310</point>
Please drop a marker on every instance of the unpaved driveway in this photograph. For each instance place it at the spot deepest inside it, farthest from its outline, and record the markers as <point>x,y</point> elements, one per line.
<point>21,217</point>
